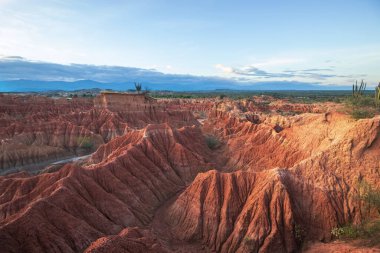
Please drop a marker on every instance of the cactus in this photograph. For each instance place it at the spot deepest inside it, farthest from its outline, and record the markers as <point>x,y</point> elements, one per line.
<point>357,90</point>
<point>138,87</point>
<point>377,95</point>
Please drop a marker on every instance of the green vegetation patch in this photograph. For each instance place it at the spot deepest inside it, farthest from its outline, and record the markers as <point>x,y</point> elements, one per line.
<point>212,142</point>
<point>368,232</point>
<point>362,113</point>
<point>85,142</point>
<point>369,228</point>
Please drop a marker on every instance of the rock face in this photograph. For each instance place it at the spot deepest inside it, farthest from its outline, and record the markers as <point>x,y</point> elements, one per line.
<point>155,183</point>
<point>37,129</point>
<point>236,212</point>
<point>128,240</point>
<point>122,101</point>
<point>340,247</point>
<point>266,211</point>
<point>77,205</point>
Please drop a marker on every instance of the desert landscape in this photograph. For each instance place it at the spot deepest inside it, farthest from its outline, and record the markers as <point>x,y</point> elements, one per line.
<point>203,126</point>
<point>258,174</point>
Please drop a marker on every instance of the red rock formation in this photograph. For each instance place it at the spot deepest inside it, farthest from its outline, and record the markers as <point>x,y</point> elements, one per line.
<point>27,144</point>
<point>67,210</point>
<point>238,212</point>
<point>340,247</point>
<point>128,240</point>
<point>245,212</point>
<point>37,129</point>
<point>280,180</point>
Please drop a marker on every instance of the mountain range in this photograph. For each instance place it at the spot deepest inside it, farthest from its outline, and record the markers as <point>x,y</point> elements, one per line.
<point>20,75</point>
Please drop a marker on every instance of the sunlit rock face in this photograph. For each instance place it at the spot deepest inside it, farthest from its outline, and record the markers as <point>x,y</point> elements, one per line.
<point>122,101</point>
<point>36,129</point>
<point>154,182</point>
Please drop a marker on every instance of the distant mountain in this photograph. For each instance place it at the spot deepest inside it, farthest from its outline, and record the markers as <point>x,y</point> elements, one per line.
<point>20,75</point>
<point>39,86</point>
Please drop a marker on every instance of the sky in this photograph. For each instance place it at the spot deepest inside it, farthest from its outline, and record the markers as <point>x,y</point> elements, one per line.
<point>324,41</point>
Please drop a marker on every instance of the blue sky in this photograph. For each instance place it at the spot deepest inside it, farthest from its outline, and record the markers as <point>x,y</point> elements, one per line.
<point>325,41</point>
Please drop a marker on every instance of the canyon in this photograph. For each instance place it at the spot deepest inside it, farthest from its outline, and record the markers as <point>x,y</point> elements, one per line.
<point>181,175</point>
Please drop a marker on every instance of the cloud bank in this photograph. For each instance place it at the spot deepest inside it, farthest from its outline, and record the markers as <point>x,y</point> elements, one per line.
<point>311,74</point>
<point>17,73</point>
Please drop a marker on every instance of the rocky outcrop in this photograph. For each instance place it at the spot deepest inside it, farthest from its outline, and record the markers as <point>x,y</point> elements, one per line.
<point>235,212</point>
<point>28,144</point>
<point>275,209</point>
<point>131,240</point>
<point>274,181</point>
<point>341,247</point>
<point>67,210</point>
<point>252,212</point>
<point>36,129</point>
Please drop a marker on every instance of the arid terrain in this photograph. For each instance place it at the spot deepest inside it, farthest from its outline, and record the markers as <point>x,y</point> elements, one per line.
<point>182,175</point>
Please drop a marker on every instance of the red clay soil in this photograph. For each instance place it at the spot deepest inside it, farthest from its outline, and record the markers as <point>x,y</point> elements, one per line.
<point>133,240</point>
<point>34,129</point>
<point>156,186</point>
<point>339,247</point>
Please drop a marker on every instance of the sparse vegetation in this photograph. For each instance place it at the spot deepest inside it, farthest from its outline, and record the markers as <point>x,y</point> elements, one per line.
<point>368,232</point>
<point>212,142</point>
<point>250,243</point>
<point>361,114</point>
<point>369,196</point>
<point>299,234</point>
<point>291,96</point>
<point>362,105</point>
<point>369,228</point>
<point>138,87</point>
<point>357,91</point>
<point>377,95</point>
<point>347,232</point>
<point>202,114</point>
<point>85,143</point>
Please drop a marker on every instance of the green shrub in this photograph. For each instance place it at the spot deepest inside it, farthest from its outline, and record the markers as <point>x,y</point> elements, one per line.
<point>212,142</point>
<point>85,142</point>
<point>362,114</point>
<point>347,232</point>
<point>299,234</point>
<point>369,232</point>
<point>370,196</point>
<point>361,101</point>
<point>369,228</point>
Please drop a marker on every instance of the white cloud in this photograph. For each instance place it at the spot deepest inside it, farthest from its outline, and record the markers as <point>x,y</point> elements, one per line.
<point>225,69</point>
<point>4,2</point>
<point>277,62</point>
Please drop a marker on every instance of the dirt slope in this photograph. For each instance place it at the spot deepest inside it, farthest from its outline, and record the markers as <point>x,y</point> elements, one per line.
<point>275,182</point>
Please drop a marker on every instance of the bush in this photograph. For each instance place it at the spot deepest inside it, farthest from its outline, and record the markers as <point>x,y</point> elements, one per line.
<point>370,196</point>
<point>85,142</point>
<point>368,230</point>
<point>362,114</point>
<point>361,101</point>
<point>212,142</point>
<point>299,234</point>
<point>347,232</point>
